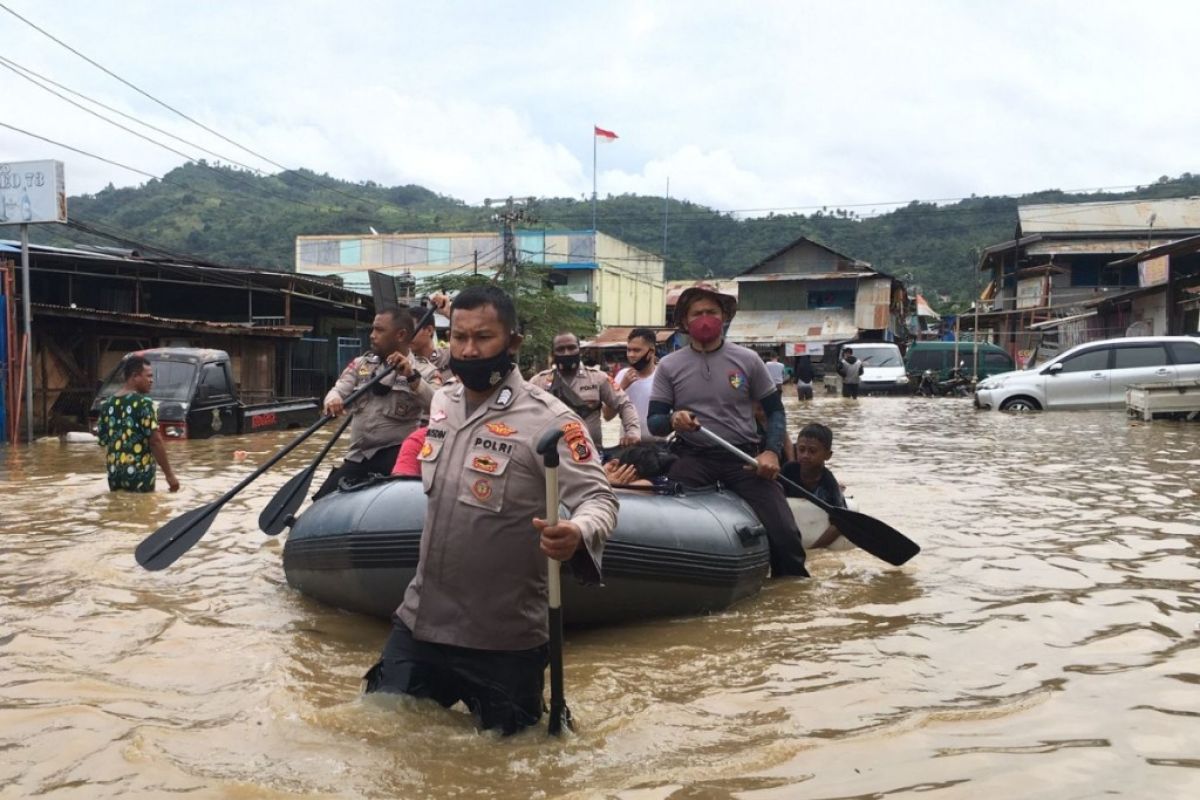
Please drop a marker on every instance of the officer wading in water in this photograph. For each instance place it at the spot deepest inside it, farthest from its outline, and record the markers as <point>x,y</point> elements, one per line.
<point>473,623</point>
<point>585,390</point>
<point>714,383</point>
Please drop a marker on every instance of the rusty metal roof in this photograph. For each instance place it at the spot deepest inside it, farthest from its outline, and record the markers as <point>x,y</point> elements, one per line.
<point>1179,247</point>
<point>811,276</point>
<point>168,323</point>
<point>1181,213</point>
<point>774,327</point>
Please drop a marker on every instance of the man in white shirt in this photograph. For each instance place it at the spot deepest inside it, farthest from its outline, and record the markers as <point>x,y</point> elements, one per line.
<point>634,379</point>
<point>775,369</point>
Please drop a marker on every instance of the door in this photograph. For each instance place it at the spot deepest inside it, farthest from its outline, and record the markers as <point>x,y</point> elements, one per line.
<point>1081,383</point>
<point>1140,362</point>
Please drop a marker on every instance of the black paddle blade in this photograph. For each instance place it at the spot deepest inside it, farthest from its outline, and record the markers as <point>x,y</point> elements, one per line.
<point>286,502</point>
<point>876,537</point>
<point>161,548</point>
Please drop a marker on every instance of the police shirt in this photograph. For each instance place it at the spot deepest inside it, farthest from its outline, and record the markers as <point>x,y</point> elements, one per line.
<point>379,420</point>
<point>593,387</point>
<point>481,579</point>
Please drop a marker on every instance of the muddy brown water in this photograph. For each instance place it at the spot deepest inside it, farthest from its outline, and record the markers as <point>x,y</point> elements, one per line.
<point>1044,644</point>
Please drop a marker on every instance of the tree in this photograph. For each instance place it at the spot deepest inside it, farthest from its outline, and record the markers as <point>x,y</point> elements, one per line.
<point>542,313</point>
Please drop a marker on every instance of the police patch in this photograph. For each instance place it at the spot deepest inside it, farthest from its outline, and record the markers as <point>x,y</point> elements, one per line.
<point>482,489</point>
<point>500,429</point>
<point>577,442</point>
<point>737,379</point>
<point>437,416</point>
<point>426,450</point>
<point>484,464</point>
<point>505,396</point>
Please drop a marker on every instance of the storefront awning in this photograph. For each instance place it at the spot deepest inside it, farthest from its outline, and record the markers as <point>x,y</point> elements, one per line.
<point>783,327</point>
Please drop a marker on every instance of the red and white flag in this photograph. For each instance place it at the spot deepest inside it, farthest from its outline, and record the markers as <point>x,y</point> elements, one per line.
<point>603,135</point>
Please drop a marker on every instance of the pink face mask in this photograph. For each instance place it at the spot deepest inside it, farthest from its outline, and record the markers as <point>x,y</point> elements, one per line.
<point>706,329</point>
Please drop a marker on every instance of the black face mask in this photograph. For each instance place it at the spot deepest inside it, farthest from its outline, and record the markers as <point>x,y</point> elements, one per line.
<point>641,363</point>
<point>481,374</point>
<point>567,363</point>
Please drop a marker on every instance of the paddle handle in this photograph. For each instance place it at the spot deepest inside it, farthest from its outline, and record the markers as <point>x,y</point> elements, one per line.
<point>749,459</point>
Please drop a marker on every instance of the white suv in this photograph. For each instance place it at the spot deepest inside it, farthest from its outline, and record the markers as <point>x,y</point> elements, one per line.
<point>1092,375</point>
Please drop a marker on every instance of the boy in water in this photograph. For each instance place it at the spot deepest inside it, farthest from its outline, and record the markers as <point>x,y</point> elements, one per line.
<point>814,446</point>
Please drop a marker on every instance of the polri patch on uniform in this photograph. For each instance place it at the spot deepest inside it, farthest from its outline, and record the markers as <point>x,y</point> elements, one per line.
<point>482,489</point>
<point>485,464</point>
<point>437,416</point>
<point>426,450</point>
<point>737,379</point>
<point>500,429</point>
<point>505,397</point>
<point>577,442</point>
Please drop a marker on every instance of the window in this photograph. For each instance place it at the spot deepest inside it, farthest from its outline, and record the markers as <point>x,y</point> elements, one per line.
<point>214,380</point>
<point>1139,356</point>
<point>1185,352</point>
<point>921,360</point>
<point>996,362</point>
<point>1087,361</point>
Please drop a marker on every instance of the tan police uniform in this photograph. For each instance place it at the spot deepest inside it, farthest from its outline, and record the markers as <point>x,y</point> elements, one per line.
<point>379,420</point>
<point>593,387</point>
<point>435,369</point>
<point>481,579</point>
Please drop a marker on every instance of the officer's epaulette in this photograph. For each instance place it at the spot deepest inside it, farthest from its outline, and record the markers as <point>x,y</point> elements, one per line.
<point>547,399</point>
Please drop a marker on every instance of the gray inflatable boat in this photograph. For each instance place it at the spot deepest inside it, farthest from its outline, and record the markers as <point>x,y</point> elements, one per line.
<point>670,555</point>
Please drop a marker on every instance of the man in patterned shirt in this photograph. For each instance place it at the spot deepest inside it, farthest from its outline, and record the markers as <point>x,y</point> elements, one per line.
<point>128,431</point>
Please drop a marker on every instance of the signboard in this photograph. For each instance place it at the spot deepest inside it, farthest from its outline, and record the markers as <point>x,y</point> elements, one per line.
<point>804,349</point>
<point>1154,271</point>
<point>31,192</point>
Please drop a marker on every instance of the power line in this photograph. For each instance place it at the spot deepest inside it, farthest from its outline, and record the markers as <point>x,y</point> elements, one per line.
<point>29,74</point>
<point>174,110</point>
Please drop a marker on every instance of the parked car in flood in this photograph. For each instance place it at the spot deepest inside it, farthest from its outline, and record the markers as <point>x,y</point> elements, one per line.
<point>1092,375</point>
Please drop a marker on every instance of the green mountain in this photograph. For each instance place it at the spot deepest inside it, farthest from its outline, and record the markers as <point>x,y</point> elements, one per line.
<point>230,216</point>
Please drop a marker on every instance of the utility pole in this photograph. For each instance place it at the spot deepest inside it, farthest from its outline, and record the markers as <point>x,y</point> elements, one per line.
<point>511,215</point>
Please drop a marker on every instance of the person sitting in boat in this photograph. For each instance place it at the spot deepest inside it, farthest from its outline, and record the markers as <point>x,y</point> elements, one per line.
<point>814,447</point>
<point>586,389</point>
<point>643,465</point>
<point>715,383</point>
<point>407,464</point>
<point>473,622</point>
<point>384,416</point>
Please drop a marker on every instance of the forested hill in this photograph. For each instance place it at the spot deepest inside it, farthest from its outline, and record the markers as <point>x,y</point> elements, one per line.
<point>235,217</point>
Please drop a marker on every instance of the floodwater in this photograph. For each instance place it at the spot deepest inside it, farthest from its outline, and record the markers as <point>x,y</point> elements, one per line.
<point>1044,644</point>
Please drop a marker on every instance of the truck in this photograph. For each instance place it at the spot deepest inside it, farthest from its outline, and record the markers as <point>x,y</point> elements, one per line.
<point>196,397</point>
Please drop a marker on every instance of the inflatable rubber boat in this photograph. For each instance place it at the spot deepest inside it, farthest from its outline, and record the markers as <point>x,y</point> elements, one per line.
<point>670,555</point>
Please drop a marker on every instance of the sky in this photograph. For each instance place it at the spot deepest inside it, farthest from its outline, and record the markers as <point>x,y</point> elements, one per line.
<point>748,107</point>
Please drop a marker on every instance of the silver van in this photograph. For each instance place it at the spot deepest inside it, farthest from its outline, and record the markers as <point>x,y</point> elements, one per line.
<point>1092,375</point>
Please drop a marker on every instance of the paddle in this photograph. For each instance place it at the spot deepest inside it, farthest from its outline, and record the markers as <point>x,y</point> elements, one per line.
<point>876,537</point>
<point>161,548</point>
<point>560,715</point>
<point>283,506</point>
<point>289,498</point>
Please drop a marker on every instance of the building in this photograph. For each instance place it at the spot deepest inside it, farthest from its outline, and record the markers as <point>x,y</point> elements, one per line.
<point>1167,301</point>
<point>624,283</point>
<point>807,295</point>
<point>1066,261</point>
<point>286,334</point>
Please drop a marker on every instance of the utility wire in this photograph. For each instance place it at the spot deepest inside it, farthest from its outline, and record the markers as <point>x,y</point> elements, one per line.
<point>174,110</point>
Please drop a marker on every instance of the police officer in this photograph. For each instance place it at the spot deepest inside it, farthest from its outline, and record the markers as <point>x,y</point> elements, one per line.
<point>431,361</point>
<point>715,384</point>
<point>473,623</point>
<point>585,389</point>
<point>384,416</point>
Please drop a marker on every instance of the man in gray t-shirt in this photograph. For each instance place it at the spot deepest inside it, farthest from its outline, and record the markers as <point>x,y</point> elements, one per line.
<point>715,383</point>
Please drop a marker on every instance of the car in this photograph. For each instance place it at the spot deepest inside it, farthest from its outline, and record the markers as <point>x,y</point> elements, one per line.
<point>883,368</point>
<point>1092,375</point>
<point>943,357</point>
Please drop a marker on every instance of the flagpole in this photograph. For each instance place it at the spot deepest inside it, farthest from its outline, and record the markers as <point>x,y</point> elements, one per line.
<point>594,137</point>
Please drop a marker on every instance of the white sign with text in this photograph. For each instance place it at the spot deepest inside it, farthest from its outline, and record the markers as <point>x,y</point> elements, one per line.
<point>31,192</point>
